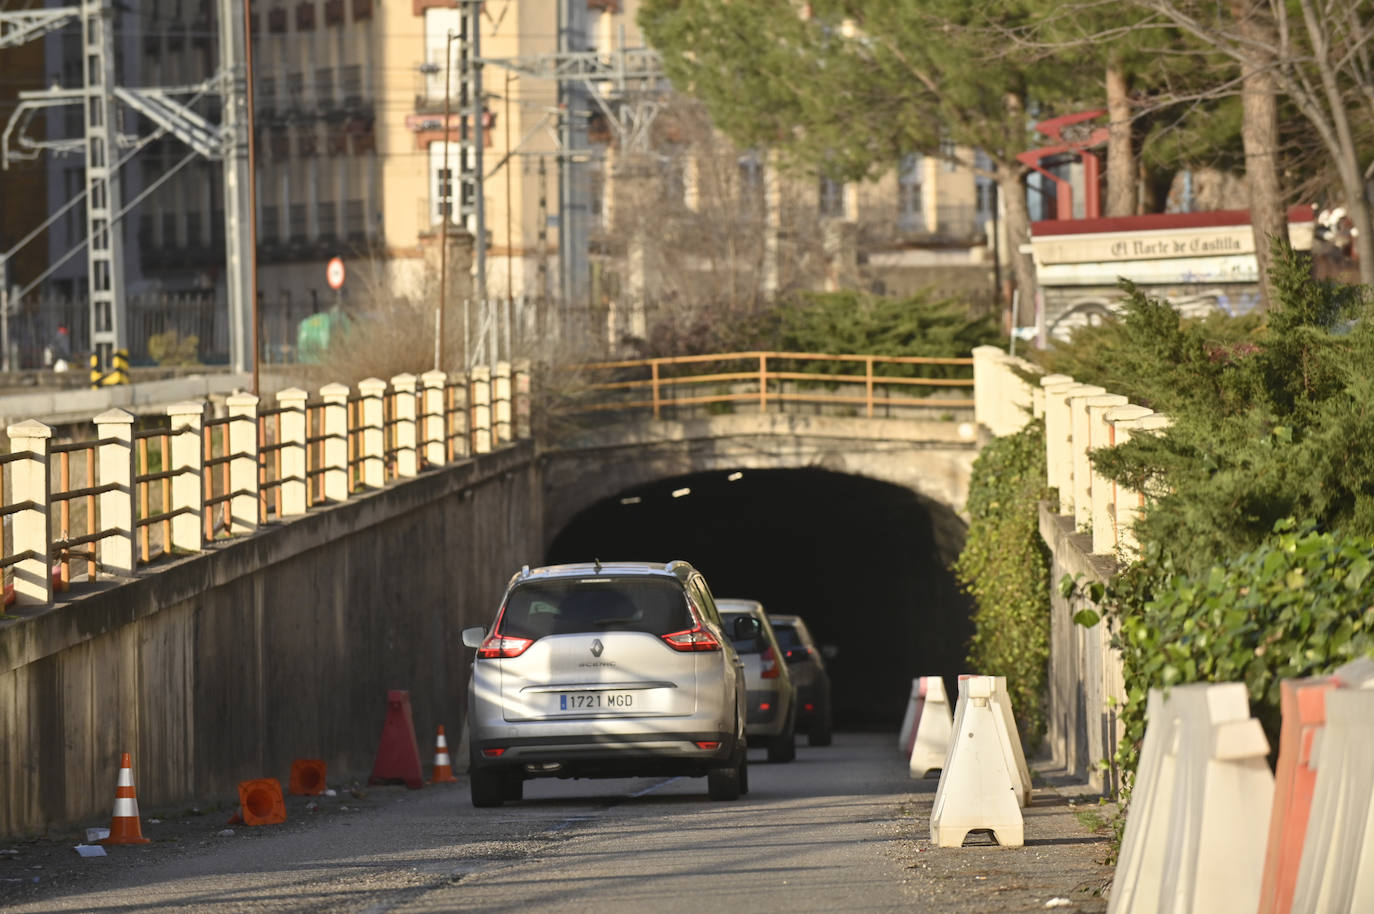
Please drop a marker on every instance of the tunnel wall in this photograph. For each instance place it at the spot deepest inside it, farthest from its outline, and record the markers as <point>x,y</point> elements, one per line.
<point>228,664</point>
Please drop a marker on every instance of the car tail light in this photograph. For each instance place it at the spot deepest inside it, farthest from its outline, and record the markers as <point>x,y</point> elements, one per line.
<point>695,638</point>
<point>765,706</point>
<point>770,664</point>
<point>808,707</point>
<point>493,753</point>
<point>710,745</point>
<point>497,646</point>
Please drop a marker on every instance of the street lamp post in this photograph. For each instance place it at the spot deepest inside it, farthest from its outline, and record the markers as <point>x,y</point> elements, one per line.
<point>445,196</point>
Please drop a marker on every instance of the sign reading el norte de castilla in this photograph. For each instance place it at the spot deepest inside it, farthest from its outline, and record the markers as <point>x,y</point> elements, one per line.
<point>1148,245</point>
<point>1161,249</point>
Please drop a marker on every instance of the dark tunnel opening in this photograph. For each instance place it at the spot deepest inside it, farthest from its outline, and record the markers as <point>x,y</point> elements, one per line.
<point>864,562</point>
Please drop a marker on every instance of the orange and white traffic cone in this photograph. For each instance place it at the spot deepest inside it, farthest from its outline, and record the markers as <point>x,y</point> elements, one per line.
<point>443,767</point>
<point>125,827</point>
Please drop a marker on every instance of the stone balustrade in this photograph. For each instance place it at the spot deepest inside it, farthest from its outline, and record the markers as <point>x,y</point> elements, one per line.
<point>1079,418</point>
<point>278,462</point>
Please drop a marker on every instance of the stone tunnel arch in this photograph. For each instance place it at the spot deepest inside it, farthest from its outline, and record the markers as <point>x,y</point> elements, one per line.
<point>865,561</point>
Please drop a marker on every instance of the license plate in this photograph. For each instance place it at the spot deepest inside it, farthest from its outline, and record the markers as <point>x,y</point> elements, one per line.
<point>597,701</point>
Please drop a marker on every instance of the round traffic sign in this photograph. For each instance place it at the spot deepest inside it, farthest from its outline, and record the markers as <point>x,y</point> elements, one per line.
<point>334,273</point>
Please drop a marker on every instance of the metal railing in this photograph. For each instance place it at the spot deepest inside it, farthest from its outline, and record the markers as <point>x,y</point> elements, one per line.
<point>774,379</point>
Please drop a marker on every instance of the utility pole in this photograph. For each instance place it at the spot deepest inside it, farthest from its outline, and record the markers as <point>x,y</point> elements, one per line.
<point>477,112</point>
<point>104,248</point>
<point>240,230</point>
<point>445,206</point>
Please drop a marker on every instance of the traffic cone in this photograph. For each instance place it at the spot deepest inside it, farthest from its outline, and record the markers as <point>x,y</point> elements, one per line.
<point>260,803</point>
<point>307,777</point>
<point>125,827</point>
<point>443,768</point>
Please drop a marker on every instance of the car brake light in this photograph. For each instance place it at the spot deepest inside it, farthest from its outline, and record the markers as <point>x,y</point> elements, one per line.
<point>770,660</point>
<point>765,706</point>
<point>808,707</point>
<point>695,638</point>
<point>710,745</point>
<point>502,646</point>
<point>493,753</point>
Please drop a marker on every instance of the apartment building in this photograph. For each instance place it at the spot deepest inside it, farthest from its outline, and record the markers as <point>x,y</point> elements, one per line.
<point>356,158</point>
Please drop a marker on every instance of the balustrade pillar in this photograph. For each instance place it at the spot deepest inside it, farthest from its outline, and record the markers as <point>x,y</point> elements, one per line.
<point>1058,463</point>
<point>372,435</point>
<point>1127,422</point>
<point>524,404</point>
<point>501,404</point>
<point>335,422</point>
<point>293,451</point>
<point>115,467</point>
<point>1102,515</point>
<point>29,531</point>
<point>985,386</point>
<point>480,385</point>
<point>243,451</point>
<point>433,428</point>
<point>188,485</point>
<point>403,417</point>
<point>1075,498</point>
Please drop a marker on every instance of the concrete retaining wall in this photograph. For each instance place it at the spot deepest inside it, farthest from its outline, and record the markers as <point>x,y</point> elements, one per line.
<point>1085,675</point>
<point>228,664</point>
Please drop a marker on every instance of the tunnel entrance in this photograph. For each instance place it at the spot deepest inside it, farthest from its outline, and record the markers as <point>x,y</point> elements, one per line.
<point>865,563</point>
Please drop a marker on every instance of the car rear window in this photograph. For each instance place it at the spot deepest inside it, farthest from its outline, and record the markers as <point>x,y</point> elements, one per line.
<point>748,646</point>
<point>786,635</point>
<point>562,607</point>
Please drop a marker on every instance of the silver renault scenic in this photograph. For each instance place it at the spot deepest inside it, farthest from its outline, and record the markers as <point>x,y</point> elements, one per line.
<point>616,669</point>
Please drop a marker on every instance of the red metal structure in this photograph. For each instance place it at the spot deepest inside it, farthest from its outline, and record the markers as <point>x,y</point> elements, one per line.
<point>1077,143</point>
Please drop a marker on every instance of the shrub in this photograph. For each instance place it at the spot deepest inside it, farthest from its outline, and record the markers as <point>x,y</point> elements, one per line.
<point>1004,566</point>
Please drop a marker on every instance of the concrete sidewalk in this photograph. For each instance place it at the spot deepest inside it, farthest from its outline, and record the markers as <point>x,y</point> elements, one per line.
<point>1061,867</point>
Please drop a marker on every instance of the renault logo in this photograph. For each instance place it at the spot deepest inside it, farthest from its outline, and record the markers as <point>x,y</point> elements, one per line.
<point>597,647</point>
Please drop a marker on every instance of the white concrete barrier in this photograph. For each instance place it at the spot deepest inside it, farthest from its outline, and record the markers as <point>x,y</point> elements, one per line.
<point>1337,869</point>
<point>1199,815</point>
<point>1011,745</point>
<point>932,730</point>
<point>978,789</point>
<point>909,718</point>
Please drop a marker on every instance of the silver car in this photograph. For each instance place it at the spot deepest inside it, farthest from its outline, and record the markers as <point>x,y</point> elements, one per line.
<point>772,702</point>
<point>618,669</point>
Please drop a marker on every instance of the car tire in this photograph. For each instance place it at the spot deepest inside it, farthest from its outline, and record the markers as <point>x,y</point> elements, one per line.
<point>513,788</point>
<point>728,783</point>
<point>783,747</point>
<point>744,776</point>
<point>488,787</point>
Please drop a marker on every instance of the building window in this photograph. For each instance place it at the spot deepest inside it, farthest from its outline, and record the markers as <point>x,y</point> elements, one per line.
<point>750,181</point>
<point>831,202</point>
<point>948,154</point>
<point>910,204</point>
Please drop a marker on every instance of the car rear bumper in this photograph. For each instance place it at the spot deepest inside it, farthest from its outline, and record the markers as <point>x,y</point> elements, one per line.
<point>606,755</point>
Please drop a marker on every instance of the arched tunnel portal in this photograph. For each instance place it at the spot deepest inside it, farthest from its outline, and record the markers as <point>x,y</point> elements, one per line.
<point>865,563</point>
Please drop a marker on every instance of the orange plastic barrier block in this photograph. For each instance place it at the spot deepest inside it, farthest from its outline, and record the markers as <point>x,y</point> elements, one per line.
<point>1303,703</point>
<point>307,777</point>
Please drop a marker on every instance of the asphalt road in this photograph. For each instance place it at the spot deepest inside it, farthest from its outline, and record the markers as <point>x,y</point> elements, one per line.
<point>840,829</point>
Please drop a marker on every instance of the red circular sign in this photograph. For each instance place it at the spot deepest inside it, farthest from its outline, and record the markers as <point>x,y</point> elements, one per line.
<point>334,273</point>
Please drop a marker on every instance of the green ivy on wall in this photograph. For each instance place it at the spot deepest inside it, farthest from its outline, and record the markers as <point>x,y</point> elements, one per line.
<point>1005,567</point>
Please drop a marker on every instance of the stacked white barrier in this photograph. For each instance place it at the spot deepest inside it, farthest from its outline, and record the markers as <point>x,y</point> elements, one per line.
<point>979,787</point>
<point>1199,815</point>
<point>913,705</point>
<point>1337,869</point>
<point>932,730</point>
<point>1016,757</point>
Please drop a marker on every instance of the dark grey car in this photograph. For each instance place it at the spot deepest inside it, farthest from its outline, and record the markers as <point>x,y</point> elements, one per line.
<point>805,661</point>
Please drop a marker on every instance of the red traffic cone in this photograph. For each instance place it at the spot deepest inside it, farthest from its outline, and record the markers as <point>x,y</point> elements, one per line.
<point>443,768</point>
<point>125,827</point>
